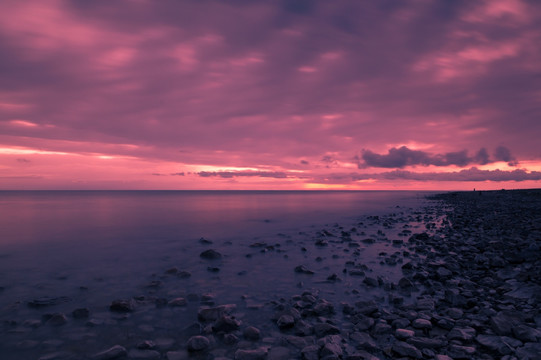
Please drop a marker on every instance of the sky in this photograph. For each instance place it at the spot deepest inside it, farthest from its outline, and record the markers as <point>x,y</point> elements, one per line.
<point>270,94</point>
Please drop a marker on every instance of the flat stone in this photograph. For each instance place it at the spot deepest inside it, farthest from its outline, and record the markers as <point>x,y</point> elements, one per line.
<point>256,354</point>
<point>197,343</point>
<point>405,349</point>
<point>214,313</point>
<point>526,334</point>
<point>144,354</point>
<point>48,301</point>
<point>310,352</point>
<point>421,324</point>
<point>529,351</point>
<point>301,269</point>
<point>226,324</point>
<point>177,355</point>
<point>363,341</point>
<point>123,305</point>
<point>403,334</point>
<point>180,301</point>
<point>210,254</point>
<point>285,321</point>
<point>426,343</point>
<point>251,333</point>
<point>114,352</point>
<point>322,329</point>
<point>465,334</point>
<point>461,352</point>
<point>494,343</point>
<point>278,353</point>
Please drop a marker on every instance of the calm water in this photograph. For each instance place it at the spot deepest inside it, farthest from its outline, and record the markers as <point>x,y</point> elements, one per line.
<point>96,246</point>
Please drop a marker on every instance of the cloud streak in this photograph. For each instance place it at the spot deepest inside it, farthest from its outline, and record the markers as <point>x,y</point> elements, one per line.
<point>403,156</point>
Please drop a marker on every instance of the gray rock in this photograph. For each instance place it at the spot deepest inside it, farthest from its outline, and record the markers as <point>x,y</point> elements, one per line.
<point>210,254</point>
<point>285,322</point>
<point>426,343</point>
<point>144,354</point>
<point>256,354</point>
<point>405,349</point>
<point>180,301</point>
<point>529,351</point>
<point>301,269</point>
<point>81,313</point>
<point>123,305</point>
<point>494,343</point>
<point>310,352</point>
<point>114,352</point>
<point>464,334</point>
<point>403,334</point>
<point>251,333</point>
<point>421,324</point>
<point>226,324</point>
<point>198,343</point>
<point>214,313</point>
<point>526,334</point>
<point>363,341</point>
<point>322,329</point>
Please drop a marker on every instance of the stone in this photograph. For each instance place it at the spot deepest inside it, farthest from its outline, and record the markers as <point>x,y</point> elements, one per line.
<point>226,324</point>
<point>529,351</point>
<point>363,341</point>
<point>424,342</point>
<point>403,334</point>
<point>405,349</point>
<point>146,345</point>
<point>455,313</point>
<point>198,343</point>
<point>114,352</point>
<point>144,354</point>
<point>322,329</point>
<point>310,352</point>
<point>278,353</point>
<point>123,305</point>
<point>363,323</point>
<point>461,352</point>
<point>464,334</point>
<point>177,355</point>
<point>285,322</point>
<point>255,354</point>
<point>81,313</point>
<point>47,301</point>
<point>251,333</point>
<point>214,313</point>
<point>421,324</point>
<point>494,343</point>
<point>330,347</point>
<point>405,284</point>
<point>526,334</point>
<point>57,319</point>
<point>502,323</point>
<point>180,301</point>
<point>370,281</point>
<point>210,254</point>
<point>301,269</point>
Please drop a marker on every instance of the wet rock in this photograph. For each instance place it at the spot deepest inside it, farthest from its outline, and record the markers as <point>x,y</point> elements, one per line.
<point>424,342</point>
<point>285,322</point>
<point>405,349</point>
<point>455,313</point>
<point>301,269</point>
<point>461,352</point>
<point>180,301</point>
<point>502,323</point>
<point>330,346</point>
<point>123,306</point>
<point>198,343</point>
<point>310,352</point>
<point>226,324</point>
<point>81,313</point>
<point>405,284</point>
<point>230,339</point>
<point>205,241</point>
<point>56,319</point>
<point>176,355</point>
<point>322,329</point>
<point>494,343</point>
<point>114,352</point>
<point>303,328</point>
<point>251,333</point>
<point>214,313</point>
<point>403,334</point>
<point>421,324</point>
<point>323,307</point>
<point>184,274</point>
<point>363,340</point>
<point>526,334</point>
<point>146,345</point>
<point>370,281</point>
<point>47,301</point>
<point>210,254</point>
<point>464,334</point>
<point>529,351</point>
<point>256,354</point>
<point>144,354</point>
<point>278,353</point>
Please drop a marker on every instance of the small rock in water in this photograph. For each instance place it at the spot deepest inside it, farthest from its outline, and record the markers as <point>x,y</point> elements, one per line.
<point>285,321</point>
<point>198,343</point>
<point>210,254</point>
<point>81,313</point>
<point>115,352</point>
<point>405,349</point>
<point>251,333</point>
<point>47,301</point>
<point>205,241</point>
<point>301,269</point>
<point>256,354</point>
<point>178,302</point>
<point>226,324</point>
<point>123,305</point>
<point>57,319</point>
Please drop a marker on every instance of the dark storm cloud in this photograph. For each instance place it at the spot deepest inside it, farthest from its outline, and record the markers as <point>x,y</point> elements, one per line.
<point>403,156</point>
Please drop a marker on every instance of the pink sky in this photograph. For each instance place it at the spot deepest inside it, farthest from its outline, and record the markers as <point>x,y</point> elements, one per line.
<point>300,94</point>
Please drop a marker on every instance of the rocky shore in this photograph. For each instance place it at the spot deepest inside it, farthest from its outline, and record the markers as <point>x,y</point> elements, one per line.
<point>464,283</point>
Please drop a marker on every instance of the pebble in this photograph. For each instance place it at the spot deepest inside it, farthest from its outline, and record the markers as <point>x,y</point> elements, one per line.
<point>198,343</point>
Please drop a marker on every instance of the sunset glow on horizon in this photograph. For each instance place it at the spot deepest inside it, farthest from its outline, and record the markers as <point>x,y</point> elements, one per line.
<point>285,95</point>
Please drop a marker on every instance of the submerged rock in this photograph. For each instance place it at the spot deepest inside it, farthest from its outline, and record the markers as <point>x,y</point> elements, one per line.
<point>123,305</point>
<point>210,254</point>
<point>114,352</point>
<point>198,343</point>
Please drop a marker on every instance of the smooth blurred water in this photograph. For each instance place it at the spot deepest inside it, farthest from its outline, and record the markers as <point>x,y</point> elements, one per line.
<point>54,242</point>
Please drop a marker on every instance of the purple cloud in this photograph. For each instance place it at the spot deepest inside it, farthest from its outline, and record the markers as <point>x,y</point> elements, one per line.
<point>231,174</point>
